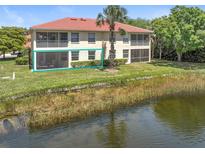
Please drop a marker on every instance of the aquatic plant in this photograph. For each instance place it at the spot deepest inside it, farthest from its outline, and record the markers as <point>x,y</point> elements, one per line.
<point>49,110</point>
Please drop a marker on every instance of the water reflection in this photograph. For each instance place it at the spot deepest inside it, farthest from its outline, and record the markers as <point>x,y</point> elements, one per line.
<point>114,133</point>
<point>185,114</point>
<point>177,121</point>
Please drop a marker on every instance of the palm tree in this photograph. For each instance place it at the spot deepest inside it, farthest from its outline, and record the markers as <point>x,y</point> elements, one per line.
<point>112,14</point>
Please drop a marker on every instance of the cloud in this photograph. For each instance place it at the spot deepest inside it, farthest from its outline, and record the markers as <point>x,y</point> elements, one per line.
<point>13,16</point>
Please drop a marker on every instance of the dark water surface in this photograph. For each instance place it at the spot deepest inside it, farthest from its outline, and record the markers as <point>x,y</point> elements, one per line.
<point>174,121</point>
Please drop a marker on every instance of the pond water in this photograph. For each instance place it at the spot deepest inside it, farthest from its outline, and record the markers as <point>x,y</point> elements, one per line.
<point>174,121</point>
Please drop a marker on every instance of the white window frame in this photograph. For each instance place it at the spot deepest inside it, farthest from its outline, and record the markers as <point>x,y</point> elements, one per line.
<point>91,55</point>
<point>125,37</point>
<point>78,38</point>
<point>92,42</point>
<point>127,50</point>
<point>141,42</point>
<point>78,55</point>
<point>46,41</point>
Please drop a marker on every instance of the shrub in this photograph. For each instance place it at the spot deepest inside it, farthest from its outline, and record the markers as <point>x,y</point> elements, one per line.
<point>25,52</point>
<point>85,63</point>
<point>106,62</point>
<point>117,62</point>
<point>120,61</point>
<point>21,61</point>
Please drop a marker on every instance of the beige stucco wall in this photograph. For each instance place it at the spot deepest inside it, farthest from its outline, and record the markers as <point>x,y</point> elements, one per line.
<point>100,37</point>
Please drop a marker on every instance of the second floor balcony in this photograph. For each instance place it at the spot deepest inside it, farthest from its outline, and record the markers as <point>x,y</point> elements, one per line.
<point>50,44</point>
<point>139,43</point>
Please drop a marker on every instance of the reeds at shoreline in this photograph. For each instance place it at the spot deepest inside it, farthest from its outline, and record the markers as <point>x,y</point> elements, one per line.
<point>49,110</point>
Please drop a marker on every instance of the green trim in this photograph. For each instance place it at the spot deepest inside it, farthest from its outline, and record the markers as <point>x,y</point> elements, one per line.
<point>33,60</point>
<point>60,69</point>
<point>66,50</point>
<point>102,57</point>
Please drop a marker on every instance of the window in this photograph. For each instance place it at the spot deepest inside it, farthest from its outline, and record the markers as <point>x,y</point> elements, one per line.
<point>135,55</point>
<point>63,40</point>
<point>112,55</point>
<point>41,36</point>
<point>144,54</point>
<point>91,37</point>
<point>125,53</point>
<point>125,39</point>
<point>114,38</point>
<point>74,37</point>
<point>133,38</point>
<point>75,55</point>
<point>53,36</point>
<point>41,39</point>
<point>139,55</point>
<point>91,55</point>
<point>140,39</point>
<point>63,36</point>
<point>52,39</point>
<point>146,39</point>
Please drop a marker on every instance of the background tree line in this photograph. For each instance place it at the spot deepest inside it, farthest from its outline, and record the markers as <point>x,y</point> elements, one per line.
<point>181,35</point>
<point>178,36</point>
<point>12,39</point>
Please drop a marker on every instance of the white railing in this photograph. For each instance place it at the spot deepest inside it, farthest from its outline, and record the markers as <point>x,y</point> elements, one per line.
<point>139,43</point>
<point>47,44</point>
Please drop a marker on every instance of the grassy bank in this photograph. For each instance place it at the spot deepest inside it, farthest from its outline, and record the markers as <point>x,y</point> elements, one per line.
<point>27,83</point>
<point>46,111</point>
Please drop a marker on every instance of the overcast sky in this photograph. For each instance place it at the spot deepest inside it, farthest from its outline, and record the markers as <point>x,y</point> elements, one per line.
<point>26,16</point>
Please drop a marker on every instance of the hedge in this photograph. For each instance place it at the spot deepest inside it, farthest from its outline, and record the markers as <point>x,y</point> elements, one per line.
<point>117,62</point>
<point>21,61</point>
<point>85,63</point>
<point>120,61</point>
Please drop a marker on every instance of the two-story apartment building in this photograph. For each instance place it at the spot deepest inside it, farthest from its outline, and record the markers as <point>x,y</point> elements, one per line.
<point>83,33</point>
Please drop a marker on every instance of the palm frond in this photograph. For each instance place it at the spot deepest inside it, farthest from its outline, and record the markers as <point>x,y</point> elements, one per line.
<point>100,19</point>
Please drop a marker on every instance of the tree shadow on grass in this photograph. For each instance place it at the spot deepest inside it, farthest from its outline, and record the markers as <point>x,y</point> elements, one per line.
<point>8,59</point>
<point>180,65</point>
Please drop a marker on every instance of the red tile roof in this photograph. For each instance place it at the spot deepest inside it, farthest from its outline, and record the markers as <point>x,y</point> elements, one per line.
<point>85,24</point>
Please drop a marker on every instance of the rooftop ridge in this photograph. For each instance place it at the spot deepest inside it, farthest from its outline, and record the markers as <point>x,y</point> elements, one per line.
<point>76,24</point>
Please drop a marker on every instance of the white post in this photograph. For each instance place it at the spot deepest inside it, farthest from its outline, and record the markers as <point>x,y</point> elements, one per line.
<point>14,76</point>
<point>69,59</point>
<point>129,57</point>
<point>150,48</point>
<point>34,40</point>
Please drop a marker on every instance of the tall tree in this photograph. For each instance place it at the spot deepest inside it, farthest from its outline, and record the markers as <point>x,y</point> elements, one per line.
<point>161,32</point>
<point>182,31</point>
<point>139,22</point>
<point>11,39</point>
<point>186,23</point>
<point>112,14</point>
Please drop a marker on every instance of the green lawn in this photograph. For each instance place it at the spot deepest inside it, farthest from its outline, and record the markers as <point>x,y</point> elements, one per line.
<point>27,82</point>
